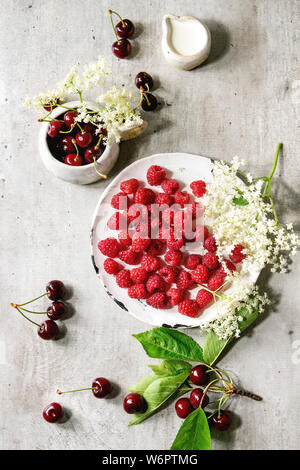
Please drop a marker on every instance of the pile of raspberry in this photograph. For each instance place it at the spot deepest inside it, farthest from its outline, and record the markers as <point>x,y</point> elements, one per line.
<point>156,269</point>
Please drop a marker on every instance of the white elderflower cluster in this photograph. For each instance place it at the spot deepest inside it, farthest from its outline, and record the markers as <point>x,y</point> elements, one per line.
<point>230,310</point>
<point>239,215</point>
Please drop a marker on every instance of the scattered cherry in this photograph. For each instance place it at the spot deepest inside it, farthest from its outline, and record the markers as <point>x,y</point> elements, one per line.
<point>57,310</point>
<point>121,48</point>
<point>100,388</point>
<point>144,80</point>
<point>53,413</point>
<point>67,144</point>
<point>199,376</point>
<point>83,139</point>
<point>183,407</point>
<point>149,102</point>
<point>73,159</point>
<point>69,118</point>
<point>196,397</point>
<point>134,403</point>
<point>54,128</point>
<point>222,422</point>
<point>56,290</point>
<point>48,329</point>
<point>125,28</point>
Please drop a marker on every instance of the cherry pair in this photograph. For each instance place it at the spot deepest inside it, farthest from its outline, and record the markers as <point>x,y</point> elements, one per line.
<point>123,31</point>
<point>48,329</point>
<point>144,82</point>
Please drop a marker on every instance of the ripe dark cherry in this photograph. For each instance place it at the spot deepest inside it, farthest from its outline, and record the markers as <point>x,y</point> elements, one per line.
<point>198,375</point>
<point>48,330</point>
<point>134,403</point>
<point>196,397</point>
<point>57,310</point>
<point>83,139</point>
<point>125,29</point>
<point>73,159</point>
<point>69,118</point>
<point>92,153</point>
<point>149,102</point>
<point>88,127</point>
<point>122,48</point>
<point>103,387</point>
<point>222,422</point>
<point>183,407</point>
<point>53,413</point>
<point>56,290</point>
<point>54,128</point>
<point>144,80</point>
<point>48,107</point>
<point>67,144</point>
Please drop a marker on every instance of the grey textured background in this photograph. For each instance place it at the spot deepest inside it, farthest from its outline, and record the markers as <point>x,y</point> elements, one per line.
<point>242,101</point>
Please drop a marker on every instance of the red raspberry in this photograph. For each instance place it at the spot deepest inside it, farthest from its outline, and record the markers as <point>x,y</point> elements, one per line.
<point>117,221</point>
<point>125,238</point>
<point>144,196</point>
<point>214,282</point>
<point>210,260</point>
<point>137,291</point>
<point>129,256</point>
<point>198,188</point>
<point>221,272</point>
<point>204,298</point>
<point>139,243</point>
<point>156,247</point>
<point>109,247</point>
<point>192,261</point>
<point>155,175</point>
<point>123,278</point>
<point>139,275</point>
<point>168,273</point>
<point>202,233</point>
<point>236,255</point>
<point>195,209</point>
<point>120,201</point>
<point>173,258</point>
<point>143,229</point>
<point>157,300</point>
<point>189,308</point>
<point>184,280</point>
<point>174,244</point>
<point>210,244</point>
<point>150,263</point>
<point>175,295</point>
<point>169,186</point>
<point>181,198</point>
<point>162,198</point>
<point>155,283</point>
<point>129,186</point>
<point>200,274</point>
<point>111,266</point>
<point>168,216</point>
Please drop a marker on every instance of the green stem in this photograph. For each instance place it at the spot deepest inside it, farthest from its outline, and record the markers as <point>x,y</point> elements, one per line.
<point>115,13</point>
<point>112,23</point>
<point>31,321</point>
<point>59,392</point>
<point>31,311</point>
<point>96,170</point>
<point>80,95</point>
<point>30,301</point>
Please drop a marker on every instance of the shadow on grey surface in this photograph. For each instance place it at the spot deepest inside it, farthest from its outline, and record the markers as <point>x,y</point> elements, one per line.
<point>227,436</point>
<point>220,42</point>
<point>66,417</point>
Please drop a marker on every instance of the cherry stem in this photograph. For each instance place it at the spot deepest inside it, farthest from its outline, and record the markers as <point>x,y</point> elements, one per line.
<point>59,392</point>
<point>30,301</point>
<point>100,174</point>
<point>144,95</point>
<point>31,311</point>
<point>245,393</point>
<point>70,130</point>
<point>76,147</point>
<point>31,321</point>
<point>116,13</point>
<point>111,20</point>
<point>139,104</point>
<point>99,142</point>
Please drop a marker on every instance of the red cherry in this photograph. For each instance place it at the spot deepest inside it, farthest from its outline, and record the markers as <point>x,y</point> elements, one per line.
<point>48,330</point>
<point>144,80</point>
<point>54,128</point>
<point>196,397</point>
<point>57,310</point>
<point>69,118</point>
<point>134,403</point>
<point>222,422</point>
<point>183,407</point>
<point>122,48</point>
<point>92,153</point>
<point>83,139</point>
<point>53,413</point>
<point>198,375</point>
<point>56,290</point>
<point>103,387</point>
<point>149,102</point>
<point>125,29</point>
<point>48,107</point>
<point>73,159</point>
<point>67,144</point>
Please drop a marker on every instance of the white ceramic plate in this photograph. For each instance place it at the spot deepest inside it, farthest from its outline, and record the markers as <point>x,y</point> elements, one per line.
<point>185,168</point>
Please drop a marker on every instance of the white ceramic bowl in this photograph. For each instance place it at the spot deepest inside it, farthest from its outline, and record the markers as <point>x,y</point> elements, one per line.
<point>85,174</point>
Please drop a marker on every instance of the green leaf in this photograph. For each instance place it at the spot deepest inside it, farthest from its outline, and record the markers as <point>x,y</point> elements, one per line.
<point>165,343</point>
<point>171,367</point>
<point>159,390</point>
<point>214,346</point>
<point>240,201</point>
<point>194,433</point>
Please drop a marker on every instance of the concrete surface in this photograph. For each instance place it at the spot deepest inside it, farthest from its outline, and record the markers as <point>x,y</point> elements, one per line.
<point>243,100</point>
